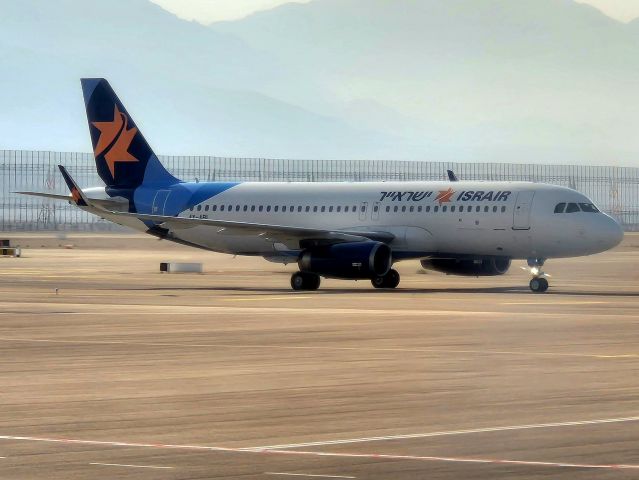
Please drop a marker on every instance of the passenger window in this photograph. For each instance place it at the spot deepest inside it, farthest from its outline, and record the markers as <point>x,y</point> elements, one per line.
<point>572,208</point>
<point>268,208</point>
<point>276,208</point>
<point>206,208</point>
<point>589,208</point>
<point>404,208</point>
<point>444,208</point>
<point>237,208</point>
<point>396,209</point>
<point>477,209</point>
<point>452,209</point>
<point>199,208</point>
<point>345,209</point>
<point>412,209</point>
<point>245,208</point>
<point>215,208</point>
<point>299,209</point>
<point>354,209</point>
<point>221,208</point>
<point>261,208</point>
<point>284,209</point>
<point>330,209</point>
<point>486,208</point>
<point>308,209</point>
<point>315,209</point>
<point>461,208</point>
<point>323,209</point>
<point>375,208</point>
<point>362,208</point>
<point>387,208</point>
<point>419,209</point>
<point>191,208</point>
<point>495,209</point>
<point>503,209</point>
<point>560,208</point>
<point>436,209</point>
<point>339,208</point>
<point>428,208</point>
<point>252,208</point>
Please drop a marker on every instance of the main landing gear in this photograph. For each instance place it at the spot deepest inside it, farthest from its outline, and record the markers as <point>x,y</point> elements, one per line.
<point>390,280</point>
<point>538,283</point>
<point>305,281</point>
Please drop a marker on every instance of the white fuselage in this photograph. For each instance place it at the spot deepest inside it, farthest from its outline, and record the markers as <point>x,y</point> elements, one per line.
<point>513,219</point>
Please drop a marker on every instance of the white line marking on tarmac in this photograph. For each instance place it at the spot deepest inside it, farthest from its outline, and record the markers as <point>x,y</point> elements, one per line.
<point>325,348</point>
<point>374,456</point>
<point>450,432</point>
<point>130,466</point>
<point>306,475</point>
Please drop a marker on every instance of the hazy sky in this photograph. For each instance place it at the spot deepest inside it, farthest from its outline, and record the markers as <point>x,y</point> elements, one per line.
<point>207,11</point>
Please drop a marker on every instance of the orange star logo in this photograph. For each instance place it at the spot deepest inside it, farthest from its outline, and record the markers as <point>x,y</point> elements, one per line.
<point>115,139</point>
<point>75,195</point>
<point>444,196</point>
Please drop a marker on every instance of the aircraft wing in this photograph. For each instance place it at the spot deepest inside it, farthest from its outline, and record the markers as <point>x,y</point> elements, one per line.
<point>293,237</point>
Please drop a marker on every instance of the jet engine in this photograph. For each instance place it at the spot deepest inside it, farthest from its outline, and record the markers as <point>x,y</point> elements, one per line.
<point>355,260</point>
<point>473,267</point>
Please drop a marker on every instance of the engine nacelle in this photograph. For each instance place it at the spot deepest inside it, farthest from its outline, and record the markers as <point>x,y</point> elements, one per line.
<point>357,260</point>
<point>473,267</point>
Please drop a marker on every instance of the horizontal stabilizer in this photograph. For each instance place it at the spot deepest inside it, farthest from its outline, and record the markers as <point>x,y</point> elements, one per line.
<point>53,196</point>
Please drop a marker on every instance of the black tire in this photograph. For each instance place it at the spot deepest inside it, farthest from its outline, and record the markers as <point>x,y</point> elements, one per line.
<point>305,281</point>
<point>390,280</point>
<point>544,285</point>
<point>539,285</point>
<point>297,281</point>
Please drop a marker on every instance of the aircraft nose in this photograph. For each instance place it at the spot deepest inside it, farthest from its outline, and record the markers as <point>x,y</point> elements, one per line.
<point>611,233</point>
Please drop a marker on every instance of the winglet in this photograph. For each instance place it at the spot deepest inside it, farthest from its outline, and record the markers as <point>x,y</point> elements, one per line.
<point>451,176</point>
<point>76,193</point>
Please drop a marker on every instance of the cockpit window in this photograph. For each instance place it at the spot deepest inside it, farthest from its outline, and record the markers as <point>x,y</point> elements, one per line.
<point>560,208</point>
<point>572,208</point>
<point>588,207</point>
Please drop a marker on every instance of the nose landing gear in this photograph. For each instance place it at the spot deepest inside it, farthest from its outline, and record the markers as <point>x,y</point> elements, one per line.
<point>538,283</point>
<point>390,280</point>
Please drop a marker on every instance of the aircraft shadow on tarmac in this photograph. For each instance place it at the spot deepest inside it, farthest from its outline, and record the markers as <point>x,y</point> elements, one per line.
<point>517,290</point>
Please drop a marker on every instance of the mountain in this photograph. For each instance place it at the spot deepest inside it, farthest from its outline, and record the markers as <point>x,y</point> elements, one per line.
<point>193,90</point>
<point>457,80</point>
<point>525,80</point>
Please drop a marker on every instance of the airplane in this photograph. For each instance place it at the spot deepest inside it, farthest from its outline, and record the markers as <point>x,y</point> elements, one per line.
<point>343,230</point>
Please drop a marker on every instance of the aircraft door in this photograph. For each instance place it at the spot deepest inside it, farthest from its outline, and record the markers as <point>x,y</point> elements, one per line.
<point>363,209</point>
<point>521,213</point>
<point>159,202</point>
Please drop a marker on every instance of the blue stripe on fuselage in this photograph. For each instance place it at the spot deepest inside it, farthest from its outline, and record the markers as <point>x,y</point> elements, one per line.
<point>182,196</point>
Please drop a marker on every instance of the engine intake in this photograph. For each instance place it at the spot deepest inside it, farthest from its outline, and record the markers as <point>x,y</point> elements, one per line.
<point>357,260</point>
<point>473,267</point>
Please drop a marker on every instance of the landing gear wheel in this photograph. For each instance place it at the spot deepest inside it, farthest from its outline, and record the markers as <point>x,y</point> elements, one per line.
<point>390,280</point>
<point>305,281</point>
<point>539,285</point>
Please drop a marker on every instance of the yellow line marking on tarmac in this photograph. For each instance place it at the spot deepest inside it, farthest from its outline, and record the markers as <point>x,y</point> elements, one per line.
<point>306,475</point>
<point>554,303</point>
<point>324,348</point>
<point>130,466</point>
<point>255,299</point>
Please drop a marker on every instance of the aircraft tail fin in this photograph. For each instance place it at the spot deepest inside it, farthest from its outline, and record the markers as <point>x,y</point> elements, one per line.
<point>123,157</point>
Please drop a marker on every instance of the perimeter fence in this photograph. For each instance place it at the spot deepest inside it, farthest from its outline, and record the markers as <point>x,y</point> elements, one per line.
<point>614,189</point>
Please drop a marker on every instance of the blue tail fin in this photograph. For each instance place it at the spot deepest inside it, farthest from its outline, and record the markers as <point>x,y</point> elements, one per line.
<point>122,155</point>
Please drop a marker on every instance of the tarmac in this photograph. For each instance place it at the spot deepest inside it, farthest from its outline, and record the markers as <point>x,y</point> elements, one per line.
<point>111,369</point>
